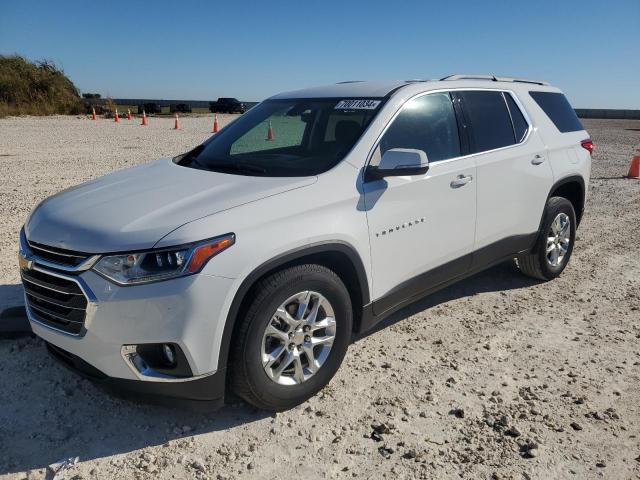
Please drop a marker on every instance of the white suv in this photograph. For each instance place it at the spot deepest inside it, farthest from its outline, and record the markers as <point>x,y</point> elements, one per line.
<point>249,262</point>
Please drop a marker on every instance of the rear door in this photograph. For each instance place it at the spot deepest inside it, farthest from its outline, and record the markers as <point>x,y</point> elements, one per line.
<point>513,172</point>
<point>421,227</point>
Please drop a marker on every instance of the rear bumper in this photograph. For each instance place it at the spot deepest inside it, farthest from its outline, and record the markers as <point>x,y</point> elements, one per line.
<point>202,394</point>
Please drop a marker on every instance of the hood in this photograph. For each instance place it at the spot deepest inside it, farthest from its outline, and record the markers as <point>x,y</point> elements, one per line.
<point>133,209</point>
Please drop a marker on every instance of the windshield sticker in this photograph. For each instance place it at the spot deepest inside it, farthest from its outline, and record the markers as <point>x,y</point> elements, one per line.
<point>357,105</point>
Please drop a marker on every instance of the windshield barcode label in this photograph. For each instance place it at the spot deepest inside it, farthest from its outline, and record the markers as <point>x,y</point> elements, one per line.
<point>357,105</point>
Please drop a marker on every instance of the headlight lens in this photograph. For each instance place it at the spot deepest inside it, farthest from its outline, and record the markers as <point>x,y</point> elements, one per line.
<point>162,264</point>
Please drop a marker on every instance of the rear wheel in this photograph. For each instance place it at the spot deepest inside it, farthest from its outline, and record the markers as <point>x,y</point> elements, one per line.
<point>553,248</point>
<point>292,338</point>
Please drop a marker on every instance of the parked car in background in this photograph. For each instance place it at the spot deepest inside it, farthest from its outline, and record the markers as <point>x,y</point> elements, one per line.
<point>180,108</point>
<point>250,261</point>
<point>150,108</point>
<point>226,105</point>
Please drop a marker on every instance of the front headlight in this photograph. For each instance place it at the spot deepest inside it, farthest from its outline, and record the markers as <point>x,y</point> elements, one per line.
<point>162,264</point>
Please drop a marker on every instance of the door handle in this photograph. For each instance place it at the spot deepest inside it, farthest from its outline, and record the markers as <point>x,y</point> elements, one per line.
<point>537,160</point>
<point>461,181</point>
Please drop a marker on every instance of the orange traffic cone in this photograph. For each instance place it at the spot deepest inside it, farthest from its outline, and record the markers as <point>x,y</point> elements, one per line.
<point>270,132</point>
<point>117,116</point>
<point>93,114</point>
<point>634,167</point>
<point>215,123</point>
<point>177,125</point>
<point>128,114</point>
<point>145,122</point>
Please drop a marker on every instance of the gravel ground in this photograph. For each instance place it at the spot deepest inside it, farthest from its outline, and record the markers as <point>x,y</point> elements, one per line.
<point>496,377</point>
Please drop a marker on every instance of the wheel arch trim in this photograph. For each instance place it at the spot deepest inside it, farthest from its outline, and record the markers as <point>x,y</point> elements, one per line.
<point>566,180</point>
<point>563,181</point>
<point>279,261</point>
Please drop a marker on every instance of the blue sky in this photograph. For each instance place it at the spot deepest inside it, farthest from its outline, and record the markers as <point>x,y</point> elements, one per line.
<point>251,50</point>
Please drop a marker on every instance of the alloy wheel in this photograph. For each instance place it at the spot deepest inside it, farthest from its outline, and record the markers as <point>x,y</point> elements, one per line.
<point>558,239</point>
<point>298,338</point>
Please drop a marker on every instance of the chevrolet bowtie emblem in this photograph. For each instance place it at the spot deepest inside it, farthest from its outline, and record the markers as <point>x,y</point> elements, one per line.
<point>24,262</point>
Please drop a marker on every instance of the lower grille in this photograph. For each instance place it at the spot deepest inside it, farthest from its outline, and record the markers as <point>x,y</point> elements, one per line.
<point>55,301</point>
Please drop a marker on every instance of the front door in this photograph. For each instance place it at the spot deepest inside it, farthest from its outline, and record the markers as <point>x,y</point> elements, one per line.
<point>421,228</point>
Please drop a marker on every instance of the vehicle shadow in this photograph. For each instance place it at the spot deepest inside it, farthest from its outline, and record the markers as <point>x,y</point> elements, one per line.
<point>504,276</point>
<point>13,320</point>
<point>11,295</point>
<point>49,413</point>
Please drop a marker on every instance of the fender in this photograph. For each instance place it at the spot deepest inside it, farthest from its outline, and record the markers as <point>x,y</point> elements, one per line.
<point>278,261</point>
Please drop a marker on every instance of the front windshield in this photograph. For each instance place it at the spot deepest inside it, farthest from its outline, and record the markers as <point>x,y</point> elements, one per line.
<point>286,138</point>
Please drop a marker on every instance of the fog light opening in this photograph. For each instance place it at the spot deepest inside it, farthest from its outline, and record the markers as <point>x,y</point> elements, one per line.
<point>168,355</point>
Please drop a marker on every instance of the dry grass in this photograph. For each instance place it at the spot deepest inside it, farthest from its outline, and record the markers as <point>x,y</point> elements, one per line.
<point>40,88</point>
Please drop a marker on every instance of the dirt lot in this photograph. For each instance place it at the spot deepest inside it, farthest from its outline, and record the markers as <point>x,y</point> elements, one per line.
<point>496,377</point>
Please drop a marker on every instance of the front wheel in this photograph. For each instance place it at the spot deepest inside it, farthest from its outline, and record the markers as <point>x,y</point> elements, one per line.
<point>556,237</point>
<point>292,338</point>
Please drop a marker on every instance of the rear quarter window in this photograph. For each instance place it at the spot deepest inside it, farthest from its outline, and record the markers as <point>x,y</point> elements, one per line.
<point>559,111</point>
<point>520,125</point>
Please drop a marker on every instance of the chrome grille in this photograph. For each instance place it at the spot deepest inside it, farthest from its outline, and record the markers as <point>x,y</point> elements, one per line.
<point>59,256</point>
<point>55,301</point>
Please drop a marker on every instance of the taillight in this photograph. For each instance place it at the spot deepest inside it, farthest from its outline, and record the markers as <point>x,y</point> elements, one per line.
<point>588,145</point>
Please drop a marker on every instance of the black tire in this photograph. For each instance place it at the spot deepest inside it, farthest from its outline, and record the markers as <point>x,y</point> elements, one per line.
<point>535,264</point>
<point>248,378</point>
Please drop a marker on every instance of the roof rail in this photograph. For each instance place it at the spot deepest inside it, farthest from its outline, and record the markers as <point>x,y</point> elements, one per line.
<point>493,78</point>
<point>350,81</point>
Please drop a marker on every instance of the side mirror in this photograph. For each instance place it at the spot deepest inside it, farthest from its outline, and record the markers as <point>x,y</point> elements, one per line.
<point>399,162</point>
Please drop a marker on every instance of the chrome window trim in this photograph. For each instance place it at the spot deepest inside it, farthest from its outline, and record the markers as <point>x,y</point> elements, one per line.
<point>530,128</point>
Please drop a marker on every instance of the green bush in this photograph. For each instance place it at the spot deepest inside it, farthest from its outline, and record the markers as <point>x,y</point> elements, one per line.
<point>40,88</point>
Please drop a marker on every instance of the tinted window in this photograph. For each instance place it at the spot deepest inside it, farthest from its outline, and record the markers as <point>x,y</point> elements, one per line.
<point>520,125</point>
<point>558,109</point>
<point>489,118</point>
<point>425,123</point>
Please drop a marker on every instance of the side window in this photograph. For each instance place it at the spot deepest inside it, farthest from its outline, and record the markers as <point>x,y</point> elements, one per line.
<point>425,123</point>
<point>520,125</point>
<point>489,118</point>
<point>558,109</point>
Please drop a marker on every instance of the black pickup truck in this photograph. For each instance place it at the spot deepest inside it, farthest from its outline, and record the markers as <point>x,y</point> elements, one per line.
<point>226,105</point>
<point>150,108</point>
<point>180,108</point>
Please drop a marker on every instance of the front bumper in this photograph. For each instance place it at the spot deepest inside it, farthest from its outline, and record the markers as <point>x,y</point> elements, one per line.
<point>189,312</point>
<point>205,393</point>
